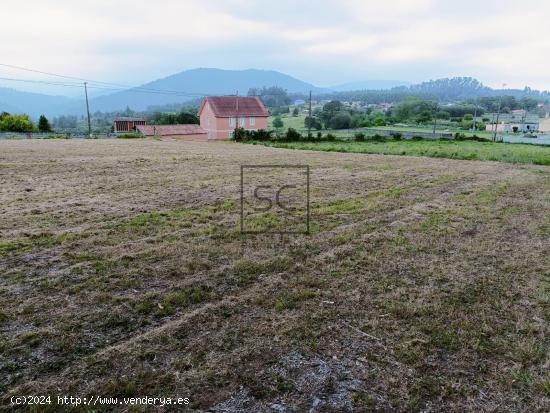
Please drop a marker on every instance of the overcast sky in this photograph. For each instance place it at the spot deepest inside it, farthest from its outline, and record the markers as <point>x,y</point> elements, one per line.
<point>322,42</point>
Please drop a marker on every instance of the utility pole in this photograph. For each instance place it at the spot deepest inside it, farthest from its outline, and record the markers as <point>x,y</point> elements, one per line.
<point>310,118</point>
<point>435,118</point>
<point>236,115</point>
<point>498,113</point>
<point>88,110</point>
<point>496,124</point>
<point>475,116</point>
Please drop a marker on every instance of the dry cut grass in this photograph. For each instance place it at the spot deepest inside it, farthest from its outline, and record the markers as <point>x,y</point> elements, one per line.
<point>424,285</point>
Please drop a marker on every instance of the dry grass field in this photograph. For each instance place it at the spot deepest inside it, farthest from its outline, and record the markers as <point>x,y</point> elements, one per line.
<point>423,286</point>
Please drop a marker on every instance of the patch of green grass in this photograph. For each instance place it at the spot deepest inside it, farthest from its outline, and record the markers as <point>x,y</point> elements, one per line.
<point>9,246</point>
<point>434,220</point>
<point>289,301</point>
<point>289,121</point>
<point>20,245</point>
<point>188,296</point>
<point>120,387</point>
<point>544,385</point>
<point>452,149</point>
<point>444,338</point>
<point>340,206</point>
<point>30,339</point>
<point>261,222</point>
<point>544,227</point>
<point>489,196</point>
<point>156,218</point>
<point>522,377</point>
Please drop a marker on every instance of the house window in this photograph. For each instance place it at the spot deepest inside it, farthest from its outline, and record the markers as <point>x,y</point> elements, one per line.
<point>241,122</point>
<point>231,121</point>
<point>252,121</point>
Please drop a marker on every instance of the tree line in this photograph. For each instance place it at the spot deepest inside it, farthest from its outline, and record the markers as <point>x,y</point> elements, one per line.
<point>414,110</point>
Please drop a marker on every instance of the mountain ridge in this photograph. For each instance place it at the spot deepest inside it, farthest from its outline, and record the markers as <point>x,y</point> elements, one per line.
<point>195,83</point>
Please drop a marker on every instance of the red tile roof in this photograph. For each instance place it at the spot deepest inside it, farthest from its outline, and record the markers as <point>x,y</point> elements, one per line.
<point>170,130</point>
<point>231,106</point>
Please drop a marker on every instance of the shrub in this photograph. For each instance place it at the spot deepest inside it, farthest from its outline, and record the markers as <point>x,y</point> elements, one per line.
<point>396,136</point>
<point>312,122</point>
<point>241,134</point>
<point>278,122</point>
<point>377,138</point>
<point>330,137</point>
<point>292,135</point>
<point>130,135</point>
<point>360,136</point>
<point>341,120</point>
<point>15,123</point>
<point>417,138</point>
<point>462,137</point>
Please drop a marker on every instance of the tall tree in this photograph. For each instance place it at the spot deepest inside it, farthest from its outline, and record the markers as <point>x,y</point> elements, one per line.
<point>278,123</point>
<point>44,124</point>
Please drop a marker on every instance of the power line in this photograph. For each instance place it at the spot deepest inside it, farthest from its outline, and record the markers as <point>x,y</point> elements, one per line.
<point>79,85</point>
<point>122,86</point>
<point>41,82</point>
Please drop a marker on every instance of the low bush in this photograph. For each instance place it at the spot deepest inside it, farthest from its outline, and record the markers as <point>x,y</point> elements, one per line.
<point>292,135</point>
<point>417,138</point>
<point>359,137</point>
<point>377,138</point>
<point>462,137</point>
<point>241,134</point>
<point>396,136</point>
<point>130,135</point>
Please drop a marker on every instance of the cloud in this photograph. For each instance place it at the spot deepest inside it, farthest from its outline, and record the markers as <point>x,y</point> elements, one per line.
<point>324,42</point>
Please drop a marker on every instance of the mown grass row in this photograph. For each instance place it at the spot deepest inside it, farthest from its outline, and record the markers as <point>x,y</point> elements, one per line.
<point>452,149</point>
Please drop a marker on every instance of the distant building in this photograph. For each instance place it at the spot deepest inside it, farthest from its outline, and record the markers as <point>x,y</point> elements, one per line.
<point>219,115</point>
<point>180,132</point>
<point>518,112</point>
<point>384,106</point>
<point>527,127</point>
<point>544,124</point>
<point>127,124</point>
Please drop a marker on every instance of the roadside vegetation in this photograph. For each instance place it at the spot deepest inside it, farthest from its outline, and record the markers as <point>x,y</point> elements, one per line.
<point>22,123</point>
<point>437,148</point>
<point>459,147</point>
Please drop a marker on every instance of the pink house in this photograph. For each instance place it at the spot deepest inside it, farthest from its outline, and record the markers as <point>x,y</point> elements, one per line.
<point>219,115</point>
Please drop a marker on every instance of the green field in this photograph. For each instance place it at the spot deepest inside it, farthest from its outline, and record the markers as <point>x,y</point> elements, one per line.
<point>297,122</point>
<point>471,150</point>
<point>289,121</point>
